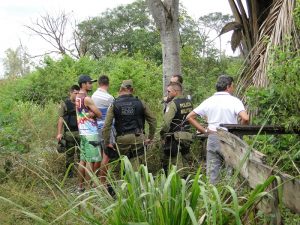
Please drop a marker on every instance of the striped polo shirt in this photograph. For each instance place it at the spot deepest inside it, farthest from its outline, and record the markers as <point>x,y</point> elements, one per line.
<point>102,100</point>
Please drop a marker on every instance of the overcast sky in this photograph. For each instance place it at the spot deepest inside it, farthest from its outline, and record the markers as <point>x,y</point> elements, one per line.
<point>14,14</point>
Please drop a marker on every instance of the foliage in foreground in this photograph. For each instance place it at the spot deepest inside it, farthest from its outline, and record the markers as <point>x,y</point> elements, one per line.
<point>170,199</point>
<point>141,198</point>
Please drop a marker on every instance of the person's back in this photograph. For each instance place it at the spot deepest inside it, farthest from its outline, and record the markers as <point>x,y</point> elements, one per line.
<point>102,99</point>
<point>222,107</point>
<point>129,114</point>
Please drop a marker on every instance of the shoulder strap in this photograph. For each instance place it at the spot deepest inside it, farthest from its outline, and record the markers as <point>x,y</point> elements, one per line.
<point>70,106</point>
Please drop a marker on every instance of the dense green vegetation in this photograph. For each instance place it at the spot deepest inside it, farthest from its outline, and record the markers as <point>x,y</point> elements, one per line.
<point>32,98</point>
<point>33,186</point>
<point>279,104</point>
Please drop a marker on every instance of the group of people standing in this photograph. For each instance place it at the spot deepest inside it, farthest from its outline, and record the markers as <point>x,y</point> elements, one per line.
<point>108,128</point>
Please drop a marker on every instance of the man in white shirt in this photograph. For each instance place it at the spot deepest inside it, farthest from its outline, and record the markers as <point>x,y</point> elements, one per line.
<point>221,108</point>
<point>103,100</point>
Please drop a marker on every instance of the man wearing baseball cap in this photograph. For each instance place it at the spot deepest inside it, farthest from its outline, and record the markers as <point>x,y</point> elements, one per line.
<point>87,113</point>
<point>129,114</point>
<point>85,78</point>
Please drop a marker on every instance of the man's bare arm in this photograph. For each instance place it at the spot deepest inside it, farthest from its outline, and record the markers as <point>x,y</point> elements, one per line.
<point>91,105</point>
<point>244,117</point>
<point>191,117</point>
<point>60,126</point>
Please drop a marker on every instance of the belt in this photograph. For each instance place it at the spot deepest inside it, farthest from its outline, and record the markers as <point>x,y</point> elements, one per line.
<point>125,133</point>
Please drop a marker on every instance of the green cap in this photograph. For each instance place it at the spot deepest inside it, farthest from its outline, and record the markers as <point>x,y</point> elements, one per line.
<point>127,84</point>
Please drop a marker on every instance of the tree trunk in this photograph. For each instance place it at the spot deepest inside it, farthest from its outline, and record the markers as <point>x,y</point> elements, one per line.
<point>165,14</point>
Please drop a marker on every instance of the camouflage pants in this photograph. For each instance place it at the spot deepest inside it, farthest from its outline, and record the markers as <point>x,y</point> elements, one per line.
<point>171,149</point>
<point>132,146</point>
<point>72,143</point>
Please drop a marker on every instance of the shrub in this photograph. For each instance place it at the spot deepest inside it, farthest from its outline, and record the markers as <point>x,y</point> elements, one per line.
<point>28,126</point>
<point>279,104</point>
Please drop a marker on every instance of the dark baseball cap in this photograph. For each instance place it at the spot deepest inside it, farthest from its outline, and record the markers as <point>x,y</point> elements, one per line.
<point>85,78</point>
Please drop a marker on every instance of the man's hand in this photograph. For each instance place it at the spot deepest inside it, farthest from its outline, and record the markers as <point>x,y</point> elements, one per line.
<point>59,137</point>
<point>91,114</point>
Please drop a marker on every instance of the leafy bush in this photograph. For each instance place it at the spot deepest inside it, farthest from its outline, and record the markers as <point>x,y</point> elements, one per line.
<point>279,104</point>
<point>52,81</point>
<point>297,14</point>
<point>28,126</point>
<point>146,76</point>
<point>200,74</point>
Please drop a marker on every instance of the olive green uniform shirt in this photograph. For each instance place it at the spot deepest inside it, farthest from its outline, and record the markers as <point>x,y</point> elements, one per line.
<point>149,117</point>
<point>70,136</point>
<point>62,109</point>
<point>169,115</point>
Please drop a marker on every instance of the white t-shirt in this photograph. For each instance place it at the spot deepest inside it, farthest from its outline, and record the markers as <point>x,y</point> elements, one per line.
<point>220,108</point>
<point>102,100</point>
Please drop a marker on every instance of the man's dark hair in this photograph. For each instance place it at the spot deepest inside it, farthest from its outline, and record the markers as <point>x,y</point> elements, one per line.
<point>176,86</point>
<point>179,78</point>
<point>223,82</point>
<point>103,80</point>
<point>74,87</point>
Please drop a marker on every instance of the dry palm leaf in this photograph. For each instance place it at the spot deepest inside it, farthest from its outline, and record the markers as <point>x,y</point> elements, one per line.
<point>278,25</point>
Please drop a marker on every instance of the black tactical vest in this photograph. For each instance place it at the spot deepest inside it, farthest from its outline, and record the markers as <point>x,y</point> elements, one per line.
<point>129,115</point>
<point>70,116</point>
<point>184,107</point>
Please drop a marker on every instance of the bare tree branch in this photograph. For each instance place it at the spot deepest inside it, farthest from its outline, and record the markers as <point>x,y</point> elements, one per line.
<point>53,30</point>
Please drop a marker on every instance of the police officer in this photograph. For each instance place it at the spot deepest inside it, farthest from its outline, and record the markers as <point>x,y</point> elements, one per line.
<point>130,114</point>
<point>167,99</point>
<point>175,131</point>
<point>67,128</point>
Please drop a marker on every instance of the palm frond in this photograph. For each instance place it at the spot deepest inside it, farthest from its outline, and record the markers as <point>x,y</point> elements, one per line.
<point>278,24</point>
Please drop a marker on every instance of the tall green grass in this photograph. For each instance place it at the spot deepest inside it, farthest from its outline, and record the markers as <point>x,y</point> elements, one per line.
<point>141,198</point>
<point>27,126</point>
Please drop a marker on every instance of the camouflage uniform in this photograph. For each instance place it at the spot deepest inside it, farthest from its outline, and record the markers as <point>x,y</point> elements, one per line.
<point>175,132</point>
<point>71,134</point>
<point>130,142</point>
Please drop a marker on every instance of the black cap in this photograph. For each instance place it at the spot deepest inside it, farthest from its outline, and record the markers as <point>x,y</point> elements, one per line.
<point>85,78</point>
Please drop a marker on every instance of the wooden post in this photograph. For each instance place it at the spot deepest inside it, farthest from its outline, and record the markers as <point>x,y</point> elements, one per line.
<point>255,171</point>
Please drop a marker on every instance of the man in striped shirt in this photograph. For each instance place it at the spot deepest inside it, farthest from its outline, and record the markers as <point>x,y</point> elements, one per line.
<point>103,100</point>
